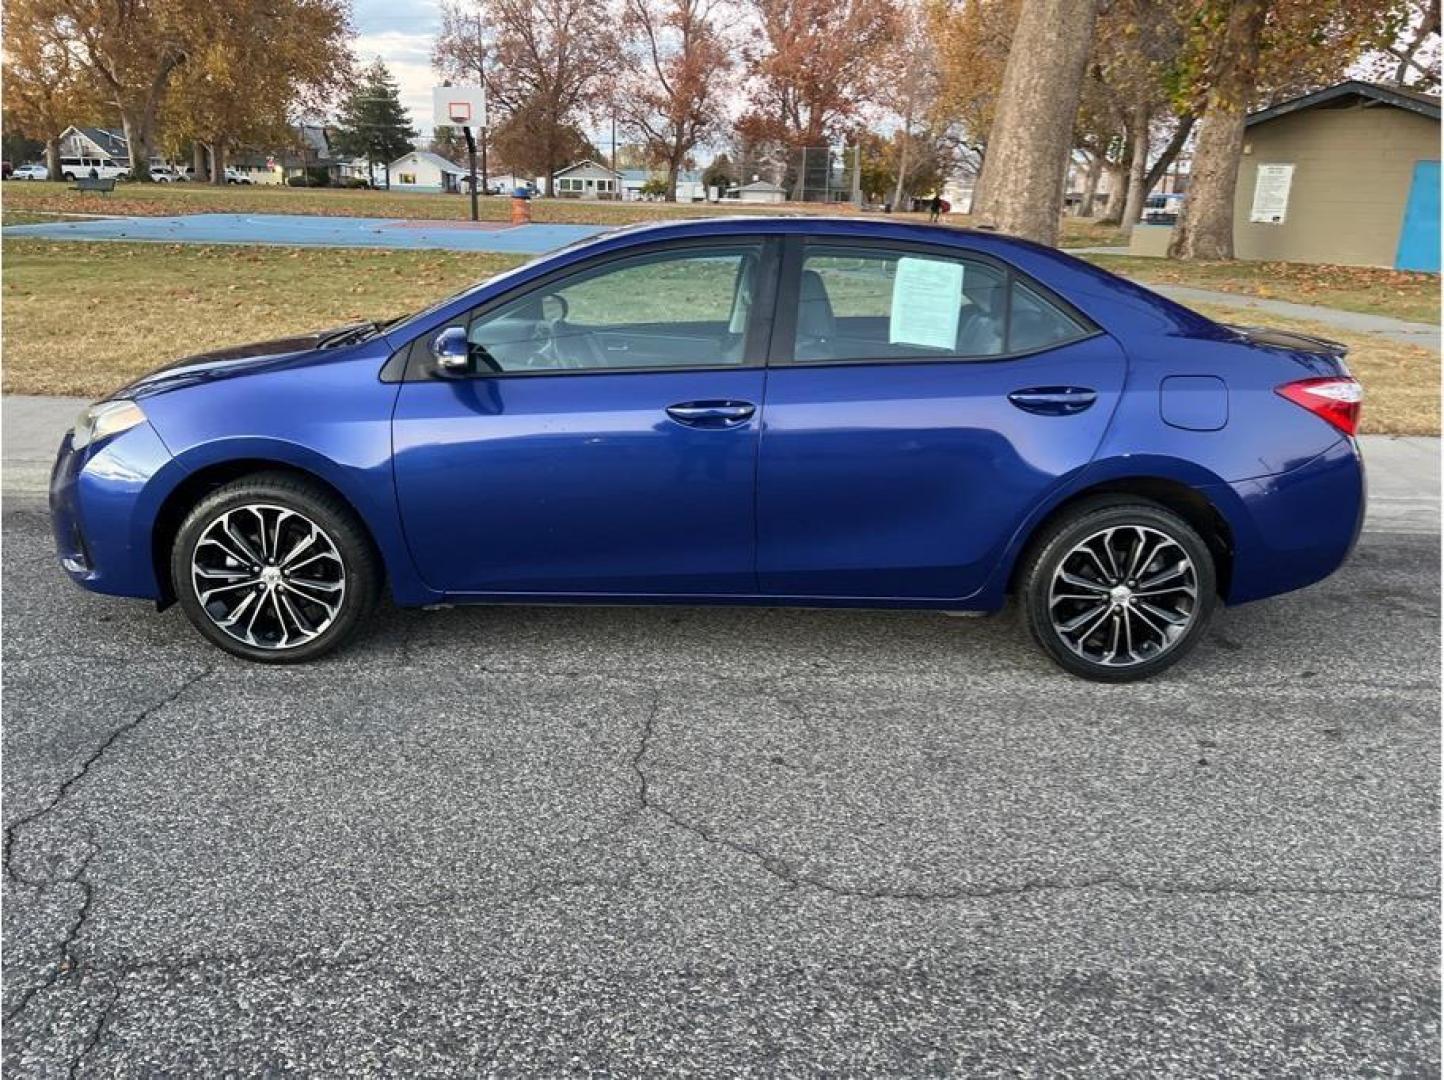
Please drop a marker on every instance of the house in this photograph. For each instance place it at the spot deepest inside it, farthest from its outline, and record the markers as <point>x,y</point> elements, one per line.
<point>584,180</point>
<point>689,185</point>
<point>759,191</point>
<point>421,170</point>
<point>101,147</point>
<point>1348,174</point>
<point>310,150</point>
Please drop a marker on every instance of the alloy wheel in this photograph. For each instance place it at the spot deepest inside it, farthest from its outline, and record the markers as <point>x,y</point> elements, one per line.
<point>1123,596</point>
<point>268,576</point>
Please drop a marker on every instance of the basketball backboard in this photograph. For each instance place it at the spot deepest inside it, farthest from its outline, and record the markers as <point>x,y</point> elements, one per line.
<point>459,106</point>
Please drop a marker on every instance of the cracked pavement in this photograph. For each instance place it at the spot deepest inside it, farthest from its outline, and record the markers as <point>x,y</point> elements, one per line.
<point>625,841</point>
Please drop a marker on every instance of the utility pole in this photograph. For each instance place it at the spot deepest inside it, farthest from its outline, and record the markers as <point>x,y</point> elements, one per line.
<point>857,174</point>
<point>481,82</point>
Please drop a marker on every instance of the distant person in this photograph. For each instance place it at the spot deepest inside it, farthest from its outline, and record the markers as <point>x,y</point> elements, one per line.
<point>94,173</point>
<point>935,208</point>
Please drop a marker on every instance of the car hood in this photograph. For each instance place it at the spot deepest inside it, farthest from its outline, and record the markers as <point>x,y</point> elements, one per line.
<point>232,361</point>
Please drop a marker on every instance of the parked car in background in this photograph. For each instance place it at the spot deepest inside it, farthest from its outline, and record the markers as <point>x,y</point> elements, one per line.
<point>164,174</point>
<point>235,176</point>
<point>72,169</point>
<point>793,411</point>
<point>32,171</point>
<point>1162,209</point>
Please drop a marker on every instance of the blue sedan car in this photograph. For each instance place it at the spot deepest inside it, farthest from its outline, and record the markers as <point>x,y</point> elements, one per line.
<point>790,411</point>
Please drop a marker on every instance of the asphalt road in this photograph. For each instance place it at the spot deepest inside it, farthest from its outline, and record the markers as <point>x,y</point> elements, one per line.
<point>626,842</point>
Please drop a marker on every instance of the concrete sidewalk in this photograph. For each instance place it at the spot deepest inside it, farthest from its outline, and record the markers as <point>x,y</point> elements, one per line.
<point>1425,335</point>
<point>1403,470</point>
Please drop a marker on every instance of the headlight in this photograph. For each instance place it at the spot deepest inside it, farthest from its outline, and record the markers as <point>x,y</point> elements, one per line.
<point>103,420</point>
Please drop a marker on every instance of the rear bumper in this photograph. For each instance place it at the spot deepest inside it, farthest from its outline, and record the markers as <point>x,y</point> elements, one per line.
<point>97,512</point>
<point>1294,528</point>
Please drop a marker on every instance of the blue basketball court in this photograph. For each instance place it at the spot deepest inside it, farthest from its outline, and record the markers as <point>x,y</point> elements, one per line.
<point>297,230</point>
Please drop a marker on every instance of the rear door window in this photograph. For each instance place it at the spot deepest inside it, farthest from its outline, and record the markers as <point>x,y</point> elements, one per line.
<point>870,303</point>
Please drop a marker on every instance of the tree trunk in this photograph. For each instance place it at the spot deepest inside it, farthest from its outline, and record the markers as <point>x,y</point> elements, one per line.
<point>671,195</point>
<point>1117,192</point>
<point>1205,223</point>
<point>902,161</point>
<point>199,171</point>
<point>1090,186</point>
<point>52,157</point>
<point>1137,170</point>
<point>1021,188</point>
<point>139,125</point>
<point>1171,151</point>
<point>218,163</point>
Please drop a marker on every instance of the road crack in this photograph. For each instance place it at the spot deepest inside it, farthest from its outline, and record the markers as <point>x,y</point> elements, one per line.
<point>66,963</point>
<point>793,878</point>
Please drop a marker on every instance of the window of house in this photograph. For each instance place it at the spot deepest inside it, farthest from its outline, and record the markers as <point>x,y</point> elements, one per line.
<point>406,178</point>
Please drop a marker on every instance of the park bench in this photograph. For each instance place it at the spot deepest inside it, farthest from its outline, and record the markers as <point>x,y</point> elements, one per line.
<point>93,183</point>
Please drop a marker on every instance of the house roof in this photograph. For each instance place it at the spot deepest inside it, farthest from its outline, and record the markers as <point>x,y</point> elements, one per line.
<point>583,165</point>
<point>111,142</point>
<point>1355,89</point>
<point>759,185</point>
<point>432,159</point>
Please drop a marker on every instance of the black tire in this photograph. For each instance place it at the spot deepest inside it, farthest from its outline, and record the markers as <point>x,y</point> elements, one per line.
<point>358,573</point>
<point>1139,519</point>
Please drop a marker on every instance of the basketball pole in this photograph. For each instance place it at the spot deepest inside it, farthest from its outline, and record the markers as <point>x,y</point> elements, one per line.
<point>471,160</point>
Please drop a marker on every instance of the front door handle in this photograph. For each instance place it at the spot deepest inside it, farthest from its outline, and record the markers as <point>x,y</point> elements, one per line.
<point>1054,400</point>
<point>712,413</point>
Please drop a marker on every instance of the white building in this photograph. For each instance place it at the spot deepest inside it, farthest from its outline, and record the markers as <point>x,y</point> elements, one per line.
<point>422,170</point>
<point>759,191</point>
<point>584,180</point>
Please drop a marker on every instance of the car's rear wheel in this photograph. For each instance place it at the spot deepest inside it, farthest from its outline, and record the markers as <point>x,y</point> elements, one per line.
<point>275,568</point>
<point>1118,591</point>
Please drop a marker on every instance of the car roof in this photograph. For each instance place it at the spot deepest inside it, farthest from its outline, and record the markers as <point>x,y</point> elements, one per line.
<point>855,226</point>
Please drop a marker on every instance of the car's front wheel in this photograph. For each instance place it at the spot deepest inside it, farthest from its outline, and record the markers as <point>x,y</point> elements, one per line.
<point>275,568</point>
<point>1118,590</point>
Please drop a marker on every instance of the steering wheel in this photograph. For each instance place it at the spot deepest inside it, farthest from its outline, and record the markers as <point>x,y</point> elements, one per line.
<point>551,327</point>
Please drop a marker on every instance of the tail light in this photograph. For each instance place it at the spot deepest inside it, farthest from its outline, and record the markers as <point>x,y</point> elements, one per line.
<point>1336,398</point>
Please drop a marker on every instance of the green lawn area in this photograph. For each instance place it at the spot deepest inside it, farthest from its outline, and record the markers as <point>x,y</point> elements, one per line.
<point>1397,293</point>
<point>166,199</point>
<point>84,318</point>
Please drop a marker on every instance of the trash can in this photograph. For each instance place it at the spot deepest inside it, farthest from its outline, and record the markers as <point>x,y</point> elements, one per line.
<point>520,206</point>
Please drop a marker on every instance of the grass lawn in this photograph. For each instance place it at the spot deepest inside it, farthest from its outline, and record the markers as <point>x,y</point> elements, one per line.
<point>1401,382</point>
<point>166,199</point>
<point>84,318</point>
<point>1397,293</point>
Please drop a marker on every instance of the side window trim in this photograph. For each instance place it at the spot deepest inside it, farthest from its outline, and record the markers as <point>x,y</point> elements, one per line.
<point>783,344</point>
<point>412,361</point>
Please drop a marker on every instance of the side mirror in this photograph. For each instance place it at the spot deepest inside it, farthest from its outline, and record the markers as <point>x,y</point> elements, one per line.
<point>452,351</point>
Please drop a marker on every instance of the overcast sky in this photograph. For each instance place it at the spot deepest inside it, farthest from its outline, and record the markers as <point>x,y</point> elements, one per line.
<point>401,32</point>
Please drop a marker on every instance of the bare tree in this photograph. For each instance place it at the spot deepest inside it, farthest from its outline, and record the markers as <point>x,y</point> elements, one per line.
<point>546,63</point>
<point>675,64</point>
<point>1021,187</point>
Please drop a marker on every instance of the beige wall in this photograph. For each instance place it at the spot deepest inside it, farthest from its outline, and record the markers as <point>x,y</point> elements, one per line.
<point>1352,171</point>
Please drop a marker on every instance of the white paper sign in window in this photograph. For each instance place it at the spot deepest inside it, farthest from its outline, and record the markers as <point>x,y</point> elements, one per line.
<point>1271,194</point>
<point>927,296</point>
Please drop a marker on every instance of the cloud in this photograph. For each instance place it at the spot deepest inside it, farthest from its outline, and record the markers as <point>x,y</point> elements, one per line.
<point>402,35</point>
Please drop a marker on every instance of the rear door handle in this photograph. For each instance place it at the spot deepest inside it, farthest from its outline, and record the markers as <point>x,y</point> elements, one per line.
<point>1054,400</point>
<point>712,413</point>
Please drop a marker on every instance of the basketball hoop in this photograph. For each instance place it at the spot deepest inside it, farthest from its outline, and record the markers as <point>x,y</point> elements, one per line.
<point>459,106</point>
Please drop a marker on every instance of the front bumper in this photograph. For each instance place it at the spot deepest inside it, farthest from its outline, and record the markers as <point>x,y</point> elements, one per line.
<point>1294,528</point>
<point>100,515</point>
